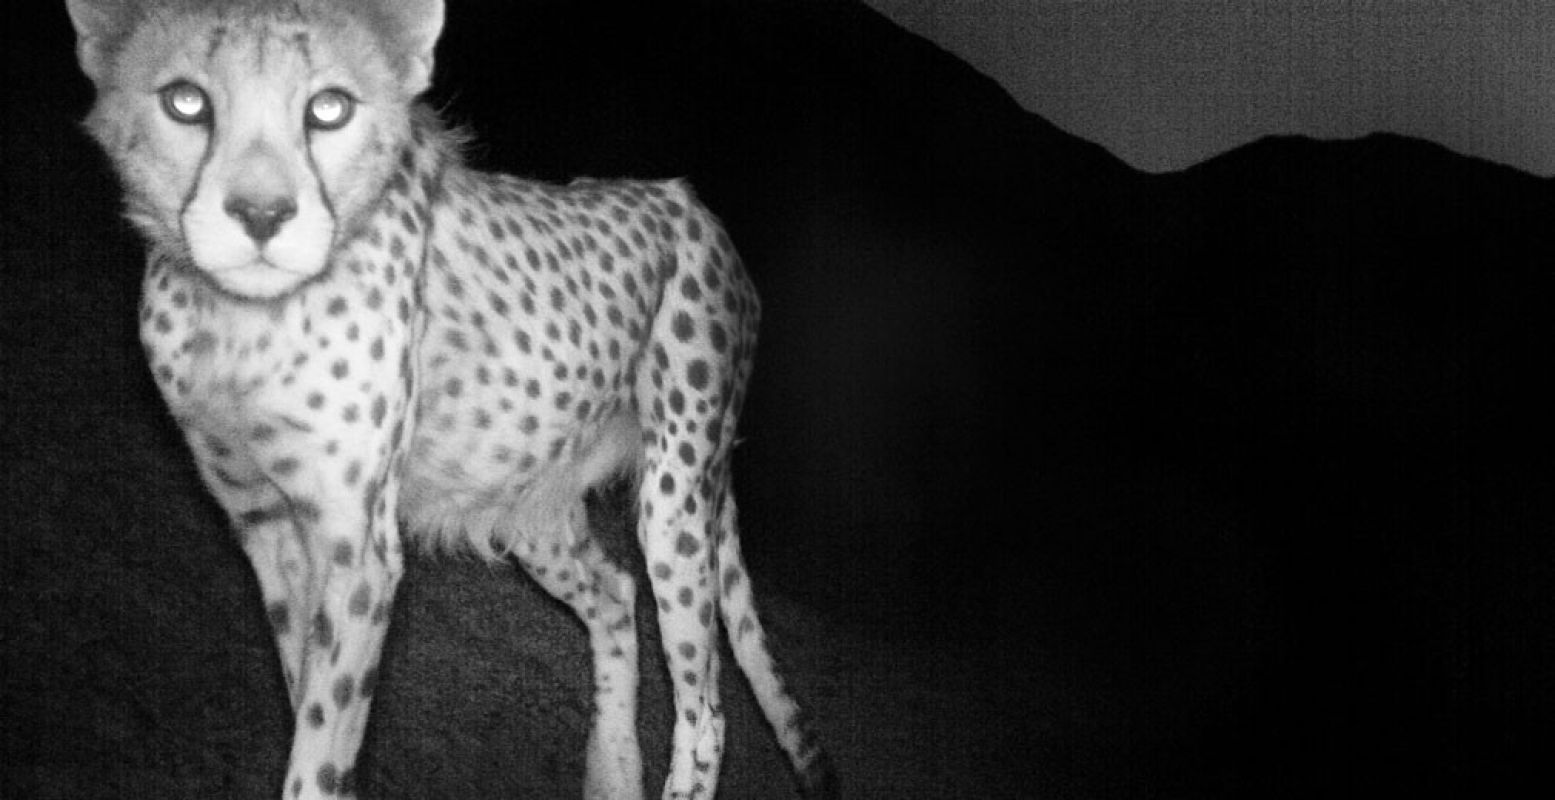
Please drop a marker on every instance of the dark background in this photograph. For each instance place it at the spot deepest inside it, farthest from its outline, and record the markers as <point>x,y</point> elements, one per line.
<point>1057,478</point>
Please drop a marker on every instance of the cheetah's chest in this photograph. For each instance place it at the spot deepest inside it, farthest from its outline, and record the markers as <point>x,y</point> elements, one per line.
<point>306,369</point>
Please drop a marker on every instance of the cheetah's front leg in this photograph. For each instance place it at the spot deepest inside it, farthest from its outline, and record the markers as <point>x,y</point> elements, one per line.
<point>356,548</point>
<point>325,547</point>
<point>265,524</point>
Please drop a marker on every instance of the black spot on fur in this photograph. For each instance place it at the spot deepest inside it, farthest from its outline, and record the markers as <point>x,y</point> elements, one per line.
<point>697,374</point>
<point>329,779</point>
<point>682,326</point>
<point>690,288</point>
<point>344,688</point>
<point>280,617</point>
<point>360,599</point>
<point>323,629</point>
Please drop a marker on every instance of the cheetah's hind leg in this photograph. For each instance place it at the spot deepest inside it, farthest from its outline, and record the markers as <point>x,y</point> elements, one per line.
<point>570,564</point>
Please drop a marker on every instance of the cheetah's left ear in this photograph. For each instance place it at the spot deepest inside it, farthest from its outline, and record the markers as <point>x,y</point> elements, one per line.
<point>99,25</point>
<point>416,25</point>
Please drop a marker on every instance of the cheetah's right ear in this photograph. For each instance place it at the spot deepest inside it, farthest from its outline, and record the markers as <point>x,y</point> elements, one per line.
<point>416,26</point>
<point>99,24</point>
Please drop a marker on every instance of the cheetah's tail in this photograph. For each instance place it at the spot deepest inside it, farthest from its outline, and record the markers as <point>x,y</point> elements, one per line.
<point>747,638</point>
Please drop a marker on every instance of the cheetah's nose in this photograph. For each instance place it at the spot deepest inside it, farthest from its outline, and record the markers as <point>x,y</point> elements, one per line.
<point>262,217</point>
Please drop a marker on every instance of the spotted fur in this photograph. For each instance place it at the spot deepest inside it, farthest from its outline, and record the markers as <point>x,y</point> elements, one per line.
<point>356,333</point>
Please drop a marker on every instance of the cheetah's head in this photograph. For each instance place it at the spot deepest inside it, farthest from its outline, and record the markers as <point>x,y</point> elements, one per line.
<point>253,137</point>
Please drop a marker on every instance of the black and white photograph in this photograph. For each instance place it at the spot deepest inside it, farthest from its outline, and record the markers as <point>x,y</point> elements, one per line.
<point>786,399</point>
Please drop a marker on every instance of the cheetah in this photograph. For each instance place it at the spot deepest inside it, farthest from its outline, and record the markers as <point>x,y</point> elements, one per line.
<point>359,335</point>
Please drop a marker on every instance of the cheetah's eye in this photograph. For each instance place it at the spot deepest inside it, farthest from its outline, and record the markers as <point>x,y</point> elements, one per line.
<point>330,110</point>
<point>184,102</point>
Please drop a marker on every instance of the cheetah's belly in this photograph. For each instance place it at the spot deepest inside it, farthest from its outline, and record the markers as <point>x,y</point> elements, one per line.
<point>494,461</point>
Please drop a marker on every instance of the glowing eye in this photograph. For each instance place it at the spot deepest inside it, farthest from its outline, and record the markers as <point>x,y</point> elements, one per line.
<point>184,102</point>
<point>330,109</point>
